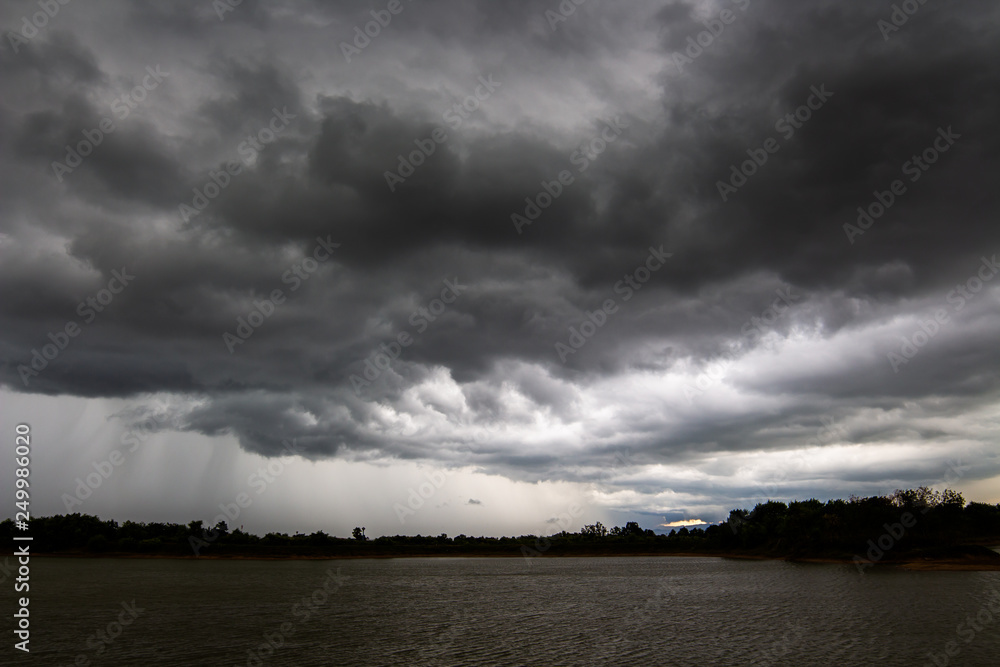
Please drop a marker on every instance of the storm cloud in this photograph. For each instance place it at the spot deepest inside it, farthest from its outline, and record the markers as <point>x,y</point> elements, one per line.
<point>692,253</point>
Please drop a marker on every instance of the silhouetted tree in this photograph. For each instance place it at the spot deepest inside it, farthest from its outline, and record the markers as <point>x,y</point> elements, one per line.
<point>800,528</point>
<point>632,529</point>
<point>949,497</point>
<point>595,530</point>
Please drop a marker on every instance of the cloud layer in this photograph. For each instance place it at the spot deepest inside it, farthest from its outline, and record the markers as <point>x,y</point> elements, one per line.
<point>499,306</point>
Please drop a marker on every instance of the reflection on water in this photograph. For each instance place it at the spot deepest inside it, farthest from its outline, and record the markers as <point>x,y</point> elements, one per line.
<point>469,611</point>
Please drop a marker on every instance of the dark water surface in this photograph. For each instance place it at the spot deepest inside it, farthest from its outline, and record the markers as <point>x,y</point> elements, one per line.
<point>492,611</point>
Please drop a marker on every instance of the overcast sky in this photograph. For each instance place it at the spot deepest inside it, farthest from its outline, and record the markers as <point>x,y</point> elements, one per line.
<point>614,251</point>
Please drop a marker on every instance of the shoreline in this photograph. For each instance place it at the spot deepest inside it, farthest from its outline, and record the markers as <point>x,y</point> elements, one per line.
<point>915,564</point>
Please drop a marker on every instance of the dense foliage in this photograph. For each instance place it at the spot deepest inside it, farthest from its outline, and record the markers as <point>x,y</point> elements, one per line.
<point>886,526</point>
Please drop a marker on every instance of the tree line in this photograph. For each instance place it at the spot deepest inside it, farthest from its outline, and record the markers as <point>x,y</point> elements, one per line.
<point>913,519</point>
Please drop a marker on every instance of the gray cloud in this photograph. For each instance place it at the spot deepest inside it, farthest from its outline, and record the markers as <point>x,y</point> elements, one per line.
<point>673,373</point>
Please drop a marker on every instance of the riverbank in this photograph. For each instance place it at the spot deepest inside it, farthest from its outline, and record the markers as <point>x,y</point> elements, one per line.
<point>956,559</point>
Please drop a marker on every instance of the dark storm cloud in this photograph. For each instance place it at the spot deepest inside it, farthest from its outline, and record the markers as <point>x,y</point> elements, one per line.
<point>488,359</point>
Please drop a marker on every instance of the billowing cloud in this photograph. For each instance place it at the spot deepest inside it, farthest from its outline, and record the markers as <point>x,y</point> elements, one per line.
<point>688,269</point>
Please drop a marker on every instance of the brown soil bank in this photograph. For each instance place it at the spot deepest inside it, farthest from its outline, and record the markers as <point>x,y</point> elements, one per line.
<point>960,558</point>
